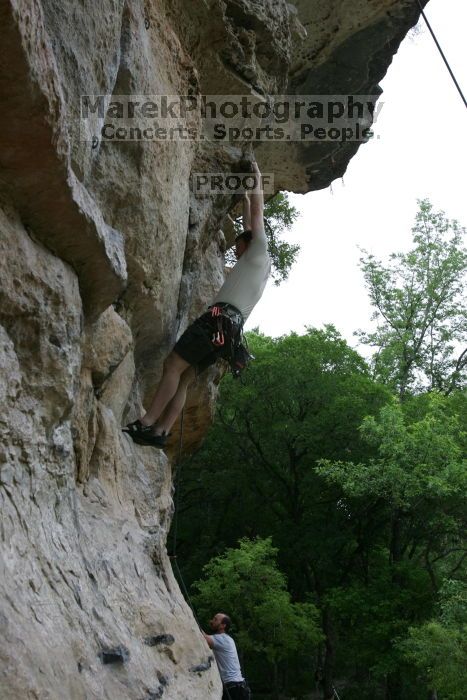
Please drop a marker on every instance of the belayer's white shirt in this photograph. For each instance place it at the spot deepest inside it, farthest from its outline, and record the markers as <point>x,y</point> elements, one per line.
<point>226,655</point>
<point>246,281</point>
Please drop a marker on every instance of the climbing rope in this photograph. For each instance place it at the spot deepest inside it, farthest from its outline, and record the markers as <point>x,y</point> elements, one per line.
<point>336,694</point>
<point>442,53</point>
<point>173,556</point>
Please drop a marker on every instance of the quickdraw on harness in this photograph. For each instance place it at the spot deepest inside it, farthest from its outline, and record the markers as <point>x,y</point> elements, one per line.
<point>218,337</point>
<point>228,333</point>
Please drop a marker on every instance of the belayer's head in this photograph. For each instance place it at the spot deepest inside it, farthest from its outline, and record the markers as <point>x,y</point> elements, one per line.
<point>220,623</point>
<point>241,242</point>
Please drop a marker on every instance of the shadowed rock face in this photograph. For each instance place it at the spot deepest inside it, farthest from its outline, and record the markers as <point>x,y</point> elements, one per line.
<point>105,257</point>
<point>347,50</point>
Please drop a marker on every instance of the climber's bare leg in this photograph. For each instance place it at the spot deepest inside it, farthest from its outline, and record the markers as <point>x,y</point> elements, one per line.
<point>176,404</point>
<point>174,367</point>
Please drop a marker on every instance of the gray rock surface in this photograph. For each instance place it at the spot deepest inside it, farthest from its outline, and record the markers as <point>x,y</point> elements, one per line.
<point>105,257</point>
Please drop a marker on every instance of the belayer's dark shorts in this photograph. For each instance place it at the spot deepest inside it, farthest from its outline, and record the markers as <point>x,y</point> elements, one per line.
<point>236,691</point>
<point>195,345</point>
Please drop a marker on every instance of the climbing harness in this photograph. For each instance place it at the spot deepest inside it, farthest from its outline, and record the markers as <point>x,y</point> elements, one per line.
<point>228,334</point>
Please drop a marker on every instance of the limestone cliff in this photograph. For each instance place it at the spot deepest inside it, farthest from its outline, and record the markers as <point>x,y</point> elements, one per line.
<point>105,256</point>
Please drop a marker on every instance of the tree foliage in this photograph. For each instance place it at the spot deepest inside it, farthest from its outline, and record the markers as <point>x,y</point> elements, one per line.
<point>417,481</point>
<point>246,580</point>
<point>438,648</point>
<point>420,308</point>
<point>418,463</point>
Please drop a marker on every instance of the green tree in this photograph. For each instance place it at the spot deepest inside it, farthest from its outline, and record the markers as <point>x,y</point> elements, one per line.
<point>438,648</point>
<point>279,216</point>
<point>418,484</point>
<point>246,583</point>
<point>419,308</point>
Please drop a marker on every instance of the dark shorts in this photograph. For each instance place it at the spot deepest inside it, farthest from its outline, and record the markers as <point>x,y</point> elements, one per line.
<point>195,345</point>
<point>237,692</point>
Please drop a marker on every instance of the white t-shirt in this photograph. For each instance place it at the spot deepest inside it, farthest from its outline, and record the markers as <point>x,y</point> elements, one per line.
<point>245,283</point>
<point>226,655</point>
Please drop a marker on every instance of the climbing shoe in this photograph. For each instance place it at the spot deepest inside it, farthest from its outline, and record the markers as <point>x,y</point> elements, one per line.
<point>137,429</point>
<point>151,440</point>
<point>144,435</point>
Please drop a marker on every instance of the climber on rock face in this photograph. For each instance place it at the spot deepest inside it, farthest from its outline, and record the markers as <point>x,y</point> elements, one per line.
<point>215,334</point>
<point>234,685</point>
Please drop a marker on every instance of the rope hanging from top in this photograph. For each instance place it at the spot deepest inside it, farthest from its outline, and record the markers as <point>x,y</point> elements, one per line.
<point>451,73</point>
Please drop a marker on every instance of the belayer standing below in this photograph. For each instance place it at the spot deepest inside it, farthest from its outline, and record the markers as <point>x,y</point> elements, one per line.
<point>215,334</point>
<point>234,685</point>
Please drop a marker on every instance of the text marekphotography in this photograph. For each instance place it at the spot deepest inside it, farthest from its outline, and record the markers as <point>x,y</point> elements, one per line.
<point>338,118</point>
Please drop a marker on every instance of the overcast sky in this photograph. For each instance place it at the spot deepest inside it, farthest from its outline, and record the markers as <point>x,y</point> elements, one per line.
<point>420,153</point>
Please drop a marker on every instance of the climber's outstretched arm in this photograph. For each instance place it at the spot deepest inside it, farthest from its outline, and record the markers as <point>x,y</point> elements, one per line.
<point>208,638</point>
<point>257,203</point>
